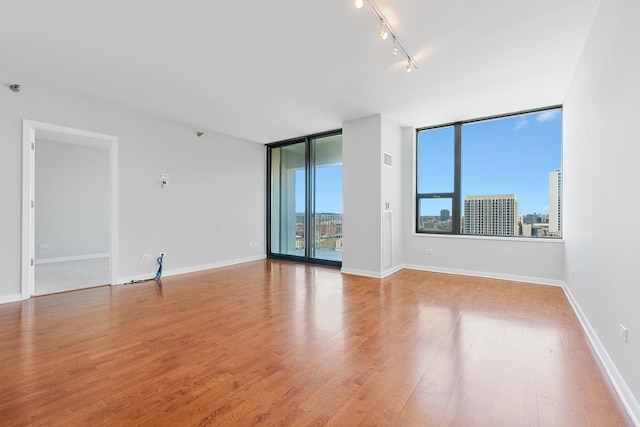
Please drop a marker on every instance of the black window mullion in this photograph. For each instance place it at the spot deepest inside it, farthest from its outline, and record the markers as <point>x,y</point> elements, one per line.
<point>308,235</point>
<point>457,181</point>
<point>269,202</point>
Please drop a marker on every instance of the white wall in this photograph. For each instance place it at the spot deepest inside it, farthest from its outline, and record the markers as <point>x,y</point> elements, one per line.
<point>522,259</point>
<point>601,196</point>
<point>361,160</point>
<point>391,186</point>
<point>72,200</point>
<point>367,185</point>
<point>212,208</point>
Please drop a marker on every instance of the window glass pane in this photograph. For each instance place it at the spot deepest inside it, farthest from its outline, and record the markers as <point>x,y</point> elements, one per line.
<point>327,198</point>
<point>435,160</point>
<point>288,188</point>
<point>507,168</point>
<point>435,215</point>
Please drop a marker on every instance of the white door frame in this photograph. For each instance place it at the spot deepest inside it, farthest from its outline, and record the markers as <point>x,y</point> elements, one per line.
<point>29,131</point>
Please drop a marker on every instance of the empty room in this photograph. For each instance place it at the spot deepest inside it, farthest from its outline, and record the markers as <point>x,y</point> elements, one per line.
<point>368,212</point>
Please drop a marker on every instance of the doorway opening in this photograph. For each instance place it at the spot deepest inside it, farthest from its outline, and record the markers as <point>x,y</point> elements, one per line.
<point>69,230</point>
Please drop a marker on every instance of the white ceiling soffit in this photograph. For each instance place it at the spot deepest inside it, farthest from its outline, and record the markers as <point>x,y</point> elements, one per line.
<point>267,71</point>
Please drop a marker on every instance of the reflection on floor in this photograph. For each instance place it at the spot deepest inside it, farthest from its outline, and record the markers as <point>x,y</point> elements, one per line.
<point>70,275</point>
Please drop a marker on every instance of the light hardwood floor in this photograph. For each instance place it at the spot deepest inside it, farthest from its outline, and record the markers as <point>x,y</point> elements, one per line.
<point>276,343</point>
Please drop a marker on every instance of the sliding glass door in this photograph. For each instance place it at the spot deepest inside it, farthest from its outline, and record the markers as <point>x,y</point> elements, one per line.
<point>305,199</point>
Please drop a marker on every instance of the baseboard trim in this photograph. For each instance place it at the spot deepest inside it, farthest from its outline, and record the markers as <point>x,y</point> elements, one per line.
<point>624,393</point>
<point>365,273</point>
<point>192,269</point>
<point>486,275</point>
<point>71,258</point>
<point>392,270</point>
<point>373,274</point>
<point>5,299</point>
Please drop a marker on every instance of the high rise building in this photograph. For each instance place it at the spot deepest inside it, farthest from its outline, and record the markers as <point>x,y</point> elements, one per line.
<point>493,215</point>
<point>555,203</point>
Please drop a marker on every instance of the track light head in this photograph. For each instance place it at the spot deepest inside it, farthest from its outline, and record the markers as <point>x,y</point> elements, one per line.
<point>395,45</point>
<point>384,32</point>
<point>358,3</point>
<point>409,67</point>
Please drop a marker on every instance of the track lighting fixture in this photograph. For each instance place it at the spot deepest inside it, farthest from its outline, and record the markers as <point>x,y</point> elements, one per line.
<point>385,30</point>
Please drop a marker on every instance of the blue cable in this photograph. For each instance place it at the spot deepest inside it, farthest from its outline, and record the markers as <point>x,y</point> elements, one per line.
<point>159,273</point>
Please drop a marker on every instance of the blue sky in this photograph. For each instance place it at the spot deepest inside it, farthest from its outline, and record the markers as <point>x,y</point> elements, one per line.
<point>502,156</point>
<point>328,189</point>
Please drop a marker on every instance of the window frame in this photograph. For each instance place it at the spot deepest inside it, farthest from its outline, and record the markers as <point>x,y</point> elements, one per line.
<point>456,195</point>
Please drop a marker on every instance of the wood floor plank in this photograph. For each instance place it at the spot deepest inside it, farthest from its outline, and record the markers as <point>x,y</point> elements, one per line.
<point>277,343</point>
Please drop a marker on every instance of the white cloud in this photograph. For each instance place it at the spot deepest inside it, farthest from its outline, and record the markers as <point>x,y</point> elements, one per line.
<point>545,116</point>
<point>522,122</point>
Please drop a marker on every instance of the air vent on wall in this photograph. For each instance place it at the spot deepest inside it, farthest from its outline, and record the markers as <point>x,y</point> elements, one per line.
<point>387,159</point>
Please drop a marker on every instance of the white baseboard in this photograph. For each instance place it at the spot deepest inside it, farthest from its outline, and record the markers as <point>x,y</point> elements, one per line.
<point>626,396</point>
<point>191,269</point>
<point>71,258</point>
<point>392,270</point>
<point>373,274</point>
<point>487,275</point>
<point>365,273</point>
<point>4,299</point>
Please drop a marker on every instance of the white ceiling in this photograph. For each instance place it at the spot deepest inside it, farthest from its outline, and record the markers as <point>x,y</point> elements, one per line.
<point>272,70</point>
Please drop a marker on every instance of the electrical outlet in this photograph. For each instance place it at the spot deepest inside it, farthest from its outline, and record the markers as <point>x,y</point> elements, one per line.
<point>146,256</point>
<point>164,176</point>
<point>44,246</point>
<point>429,251</point>
<point>624,334</point>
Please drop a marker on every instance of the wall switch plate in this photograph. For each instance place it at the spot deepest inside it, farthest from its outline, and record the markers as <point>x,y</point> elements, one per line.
<point>146,256</point>
<point>429,251</point>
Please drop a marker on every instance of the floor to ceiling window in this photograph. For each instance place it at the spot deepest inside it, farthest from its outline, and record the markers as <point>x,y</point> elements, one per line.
<point>305,199</point>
